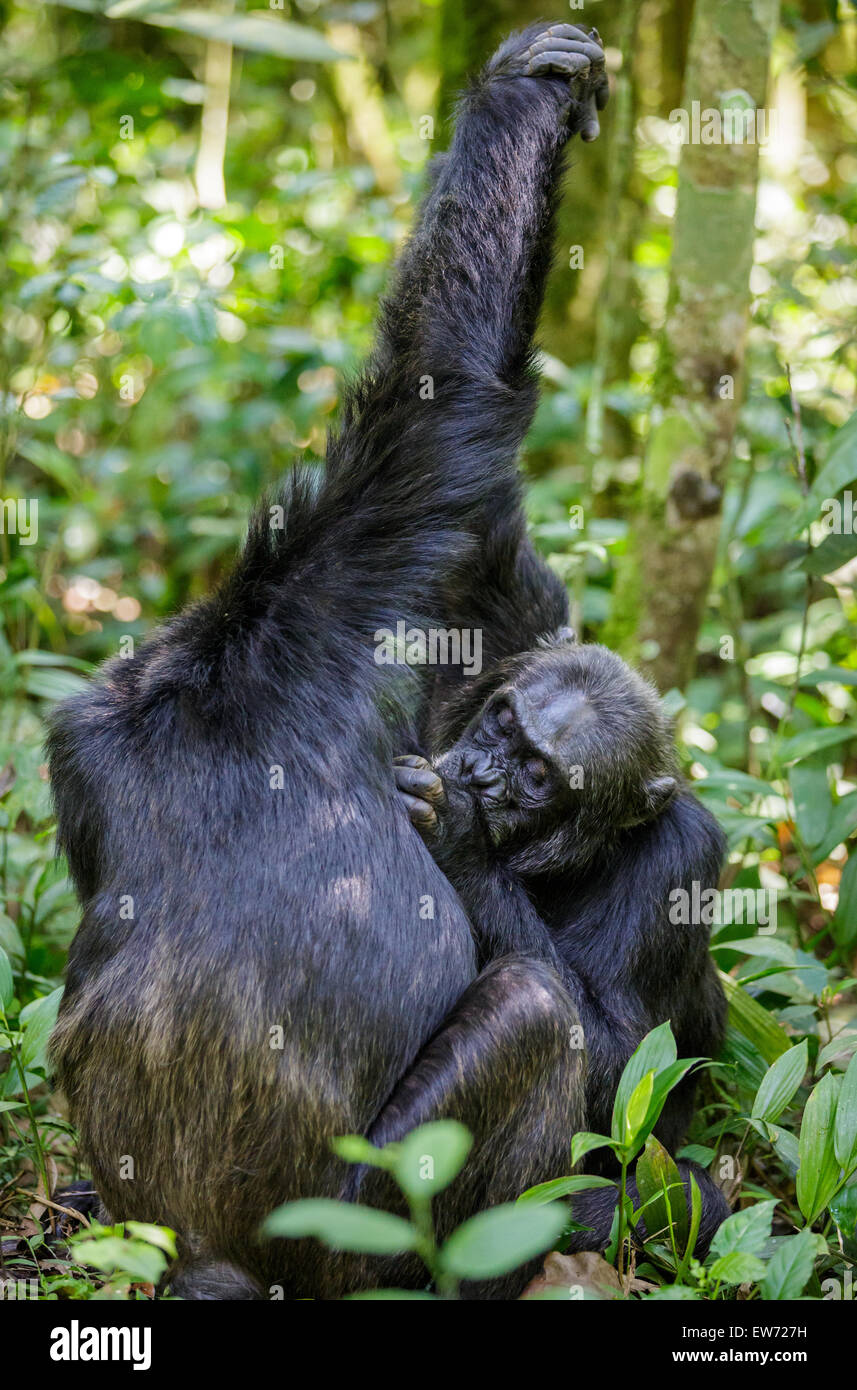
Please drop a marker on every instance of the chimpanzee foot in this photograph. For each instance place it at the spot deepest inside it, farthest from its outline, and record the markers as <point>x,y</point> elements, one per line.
<point>563,50</point>
<point>420,790</point>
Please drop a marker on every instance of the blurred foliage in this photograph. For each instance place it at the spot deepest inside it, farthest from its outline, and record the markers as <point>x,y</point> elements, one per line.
<point>165,355</point>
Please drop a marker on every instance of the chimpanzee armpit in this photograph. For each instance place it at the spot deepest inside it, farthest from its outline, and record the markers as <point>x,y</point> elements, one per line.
<point>254,972</point>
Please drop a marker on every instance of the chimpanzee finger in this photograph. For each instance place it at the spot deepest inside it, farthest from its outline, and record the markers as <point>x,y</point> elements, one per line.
<point>410,760</point>
<point>590,129</point>
<point>420,781</point>
<point>551,43</point>
<point>422,816</point>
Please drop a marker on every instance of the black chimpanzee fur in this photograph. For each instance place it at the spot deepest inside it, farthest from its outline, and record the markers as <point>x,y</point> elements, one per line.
<point>269,955</point>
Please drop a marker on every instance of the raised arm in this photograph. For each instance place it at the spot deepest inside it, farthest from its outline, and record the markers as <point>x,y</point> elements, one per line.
<point>431,429</point>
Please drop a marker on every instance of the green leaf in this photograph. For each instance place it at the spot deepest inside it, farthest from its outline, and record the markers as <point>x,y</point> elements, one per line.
<point>638,1107</point>
<point>780,1083</point>
<point>845,916</point>
<point>790,1267</point>
<point>113,1254</point>
<point>845,1129</point>
<point>660,1187</point>
<point>812,799</point>
<point>353,1148</point>
<point>745,1231</point>
<point>818,1174</point>
<point>343,1226</point>
<point>563,1187</point>
<point>430,1157</point>
<point>656,1051</point>
<point>7,984</point>
<point>584,1142</point>
<point>161,1236</point>
<point>38,1020</point>
<point>843,1209</point>
<point>839,470</point>
<point>812,740</point>
<point>833,552</point>
<point>752,1021</point>
<point>502,1238</point>
<point>842,823</point>
<point>738,1267</point>
<point>258,32</point>
<point>771,947</point>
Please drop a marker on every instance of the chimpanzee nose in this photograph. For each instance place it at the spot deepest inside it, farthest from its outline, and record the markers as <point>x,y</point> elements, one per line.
<point>478,769</point>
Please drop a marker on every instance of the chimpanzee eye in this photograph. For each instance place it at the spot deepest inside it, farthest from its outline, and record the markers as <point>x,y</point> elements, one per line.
<point>505,716</point>
<point>537,771</point>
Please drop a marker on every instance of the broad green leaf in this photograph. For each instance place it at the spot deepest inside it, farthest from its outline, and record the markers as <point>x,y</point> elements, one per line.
<point>343,1226</point>
<point>833,552</point>
<point>353,1148</point>
<point>663,1083</point>
<point>752,1021</point>
<point>584,1142</point>
<point>259,32</point>
<point>843,1209</point>
<point>563,1187</point>
<point>845,1128</point>
<point>656,1051</point>
<point>429,1158</point>
<point>836,675</point>
<point>790,1267</point>
<point>783,1141</point>
<point>638,1107</point>
<point>818,1174</point>
<point>113,1254</point>
<point>660,1187</point>
<point>38,1020</point>
<point>780,1083</point>
<point>745,1231</point>
<point>162,1236</point>
<point>840,469</point>
<point>771,946</point>
<point>702,1154</point>
<point>812,740</point>
<point>502,1238</point>
<point>842,823</point>
<point>738,1267</point>
<point>7,984</point>
<point>845,917</point>
<point>812,799</point>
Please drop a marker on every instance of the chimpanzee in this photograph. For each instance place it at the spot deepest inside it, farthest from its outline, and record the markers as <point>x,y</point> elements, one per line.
<point>557,814</point>
<point>268,955</point>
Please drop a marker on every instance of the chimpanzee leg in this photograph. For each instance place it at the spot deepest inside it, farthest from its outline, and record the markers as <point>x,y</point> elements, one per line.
<point>504,1063</point>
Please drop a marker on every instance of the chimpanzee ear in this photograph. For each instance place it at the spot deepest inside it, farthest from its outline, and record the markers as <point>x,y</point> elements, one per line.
<point>657,795</point>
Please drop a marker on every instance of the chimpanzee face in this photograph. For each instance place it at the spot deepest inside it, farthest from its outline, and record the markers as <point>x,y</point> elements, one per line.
<point>573,741</point>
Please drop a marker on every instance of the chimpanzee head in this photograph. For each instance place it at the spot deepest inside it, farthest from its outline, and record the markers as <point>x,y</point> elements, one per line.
<point>571,747</point>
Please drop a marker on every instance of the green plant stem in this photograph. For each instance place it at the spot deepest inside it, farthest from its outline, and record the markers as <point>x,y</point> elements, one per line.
<point>35,1136</point>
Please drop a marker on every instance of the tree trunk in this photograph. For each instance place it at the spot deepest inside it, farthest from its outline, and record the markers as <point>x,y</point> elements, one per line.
<point>663,581</point>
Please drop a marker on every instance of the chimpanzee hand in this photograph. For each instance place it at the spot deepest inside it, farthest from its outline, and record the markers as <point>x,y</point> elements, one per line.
<point>563,50</point>
<point>444,816</point>
<point>421,792</point>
